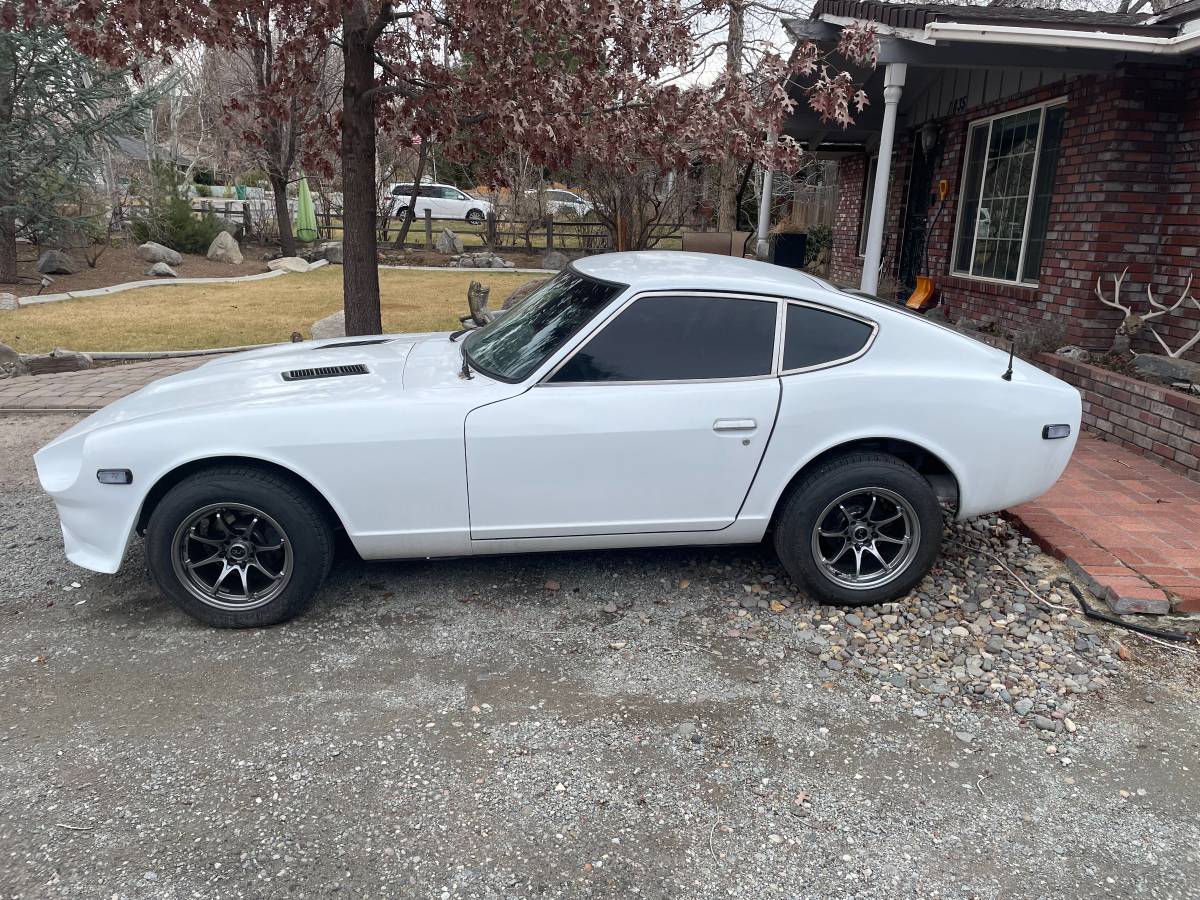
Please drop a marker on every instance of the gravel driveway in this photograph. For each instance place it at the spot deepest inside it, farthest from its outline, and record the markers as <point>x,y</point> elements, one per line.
<point>668,723</point>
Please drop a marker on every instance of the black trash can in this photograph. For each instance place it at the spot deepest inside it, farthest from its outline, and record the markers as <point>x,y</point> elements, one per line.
<point>789,249</point>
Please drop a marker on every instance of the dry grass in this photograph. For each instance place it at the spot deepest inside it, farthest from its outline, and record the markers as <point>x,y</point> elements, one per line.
<point>189,317</point>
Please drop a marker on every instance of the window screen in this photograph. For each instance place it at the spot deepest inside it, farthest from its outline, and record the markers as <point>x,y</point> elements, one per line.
<point>679,339</point>
<point>813,337</point>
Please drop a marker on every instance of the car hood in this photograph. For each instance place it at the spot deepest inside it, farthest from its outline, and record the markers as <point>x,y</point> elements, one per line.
<point>282,374</point>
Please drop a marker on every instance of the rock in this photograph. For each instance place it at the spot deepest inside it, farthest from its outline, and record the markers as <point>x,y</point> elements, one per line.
<point>152,253</point>
<point>55,262</point>
<point>555,260</point>
<point>1166,368</point>
<point>1072,352</point>
<point>331,251</point>
<point>230,227</point>
<point>288,264</point>
<point>12,363</point>
<point>8,302</point>
<point>1042,723</point>
<point>523,290</point>
<point>162,270</point>
<point>332,326</point>
<point>1022,707</point>
<point>225,249</point>
<point>57,361</point>
<point>449,243</point>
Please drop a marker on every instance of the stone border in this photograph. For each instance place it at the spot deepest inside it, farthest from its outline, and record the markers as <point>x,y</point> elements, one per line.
<point>156,282</point>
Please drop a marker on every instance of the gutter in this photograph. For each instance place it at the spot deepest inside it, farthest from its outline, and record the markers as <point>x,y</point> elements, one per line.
<point>955,32</point>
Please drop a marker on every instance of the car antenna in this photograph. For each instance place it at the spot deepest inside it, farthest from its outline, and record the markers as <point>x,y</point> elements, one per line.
<point>1012,349</point>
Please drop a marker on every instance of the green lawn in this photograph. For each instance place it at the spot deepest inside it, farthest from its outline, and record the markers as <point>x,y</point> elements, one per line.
<point>189,317</point>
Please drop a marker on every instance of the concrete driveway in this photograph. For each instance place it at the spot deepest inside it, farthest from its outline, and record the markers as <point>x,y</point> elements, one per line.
<point>656,723</point>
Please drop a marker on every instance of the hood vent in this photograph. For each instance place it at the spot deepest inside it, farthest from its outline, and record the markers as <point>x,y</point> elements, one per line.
<point>363,343</point>
<point>324,372</point>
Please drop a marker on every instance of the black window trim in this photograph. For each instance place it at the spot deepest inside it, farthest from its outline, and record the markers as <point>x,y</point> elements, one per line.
<point>862,351</point>
<point>776,353</point>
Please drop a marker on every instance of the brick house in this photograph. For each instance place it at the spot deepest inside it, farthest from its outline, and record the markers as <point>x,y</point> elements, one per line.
<point>1068,144</point>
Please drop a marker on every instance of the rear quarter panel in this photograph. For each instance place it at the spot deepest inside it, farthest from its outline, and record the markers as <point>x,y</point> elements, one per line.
<point>940,391</point>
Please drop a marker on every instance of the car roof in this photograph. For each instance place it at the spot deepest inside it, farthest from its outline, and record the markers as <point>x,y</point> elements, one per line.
<point>677,270</point>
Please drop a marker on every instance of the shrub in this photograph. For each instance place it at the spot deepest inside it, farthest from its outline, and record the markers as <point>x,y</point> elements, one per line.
<point>203,190</point>
<point>177,227</point>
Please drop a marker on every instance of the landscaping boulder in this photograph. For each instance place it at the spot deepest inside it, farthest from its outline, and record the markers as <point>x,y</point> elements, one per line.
<point>152,253</point>
<point>555,260</point>
<point>57,361</point>
<point>9,302</point>
<point>11,363</point>
<point>332,251</point>
<point>162,270</point>
<point>524,289</point>
<point>234,229</point>
<point>449,243</point>
<point>1167,368</point>
<point>332,326</point>
<point>225,249</point>
<point>288,264</point>
<point>1072,352</point>
<point>55,262</point>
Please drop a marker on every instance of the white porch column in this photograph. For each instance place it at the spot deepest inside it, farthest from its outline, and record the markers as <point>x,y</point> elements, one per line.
<point>763,246</point>
<point>893,84</point>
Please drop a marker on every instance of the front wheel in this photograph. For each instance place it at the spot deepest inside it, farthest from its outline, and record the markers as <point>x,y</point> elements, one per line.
<point>475,217</point>
<point>239,547</point>
<point>860,529</point>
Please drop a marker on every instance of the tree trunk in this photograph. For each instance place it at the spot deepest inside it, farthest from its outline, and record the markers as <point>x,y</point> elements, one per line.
<point>360,255</point>
<point>283,215</point>
<point>728,187</point>
<point>409,213</point>
<point>8,249</point>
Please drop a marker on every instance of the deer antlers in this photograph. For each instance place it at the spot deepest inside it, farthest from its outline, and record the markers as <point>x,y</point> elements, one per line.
<point>1184,295</point>
<point>1115,302</point>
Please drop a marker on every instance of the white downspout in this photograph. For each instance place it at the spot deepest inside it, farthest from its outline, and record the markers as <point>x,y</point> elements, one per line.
<point>893,85</point>
<point>762,248</point>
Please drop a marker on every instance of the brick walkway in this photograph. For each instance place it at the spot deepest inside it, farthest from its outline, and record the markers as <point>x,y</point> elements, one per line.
<point>1128,526</point>
<point>90,389</point>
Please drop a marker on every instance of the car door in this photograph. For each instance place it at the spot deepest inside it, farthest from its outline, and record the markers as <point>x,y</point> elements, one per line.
<point>656,423</point>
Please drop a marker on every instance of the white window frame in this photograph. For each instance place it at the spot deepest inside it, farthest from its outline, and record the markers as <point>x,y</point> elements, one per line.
<point>1037,162</point>
<point>868,201</point>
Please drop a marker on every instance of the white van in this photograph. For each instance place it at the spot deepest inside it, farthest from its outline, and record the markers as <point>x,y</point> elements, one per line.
<point>444,201</point>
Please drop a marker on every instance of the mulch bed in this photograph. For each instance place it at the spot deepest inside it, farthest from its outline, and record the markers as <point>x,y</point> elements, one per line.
<point>120,264</point>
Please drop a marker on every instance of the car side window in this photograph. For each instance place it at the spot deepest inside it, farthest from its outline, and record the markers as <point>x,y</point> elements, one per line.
<point>682,338</point>
<point>817,337</point>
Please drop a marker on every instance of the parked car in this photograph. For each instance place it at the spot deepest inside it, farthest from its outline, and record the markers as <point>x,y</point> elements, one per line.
<point>637,399</point>
<point>557,201</point>
<point>444,201</point>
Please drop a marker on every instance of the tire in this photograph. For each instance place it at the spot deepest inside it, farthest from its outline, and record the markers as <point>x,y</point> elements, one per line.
<point>401,212</point>
<point>830,522</point>
<point>270,527</point>
<point>475,217</point>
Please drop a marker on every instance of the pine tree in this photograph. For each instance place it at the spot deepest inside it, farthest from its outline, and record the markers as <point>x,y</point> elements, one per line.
<point>58,109</point>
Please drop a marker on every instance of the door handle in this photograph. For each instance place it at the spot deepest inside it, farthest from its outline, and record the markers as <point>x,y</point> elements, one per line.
<point>734,425</point>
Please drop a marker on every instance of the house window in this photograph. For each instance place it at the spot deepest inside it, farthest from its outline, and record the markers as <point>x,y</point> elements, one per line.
<point>1008,180</point>
<point>868,193</point>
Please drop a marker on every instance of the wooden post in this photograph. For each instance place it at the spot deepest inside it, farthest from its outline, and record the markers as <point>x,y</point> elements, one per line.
<point>491,230</point>
<point>428,228</point>
<point>549,233</point>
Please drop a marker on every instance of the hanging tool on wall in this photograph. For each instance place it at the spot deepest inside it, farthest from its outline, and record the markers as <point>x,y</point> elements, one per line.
<point>923,294</point>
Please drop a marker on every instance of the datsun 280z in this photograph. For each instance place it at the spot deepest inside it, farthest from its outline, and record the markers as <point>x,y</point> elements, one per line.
<point>636,399</point>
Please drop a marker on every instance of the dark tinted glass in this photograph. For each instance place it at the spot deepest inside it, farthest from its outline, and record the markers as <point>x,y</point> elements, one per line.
<point>813,337</point>
<point>521,340</point>
<point>677,339</point>
<point>1043,191</point>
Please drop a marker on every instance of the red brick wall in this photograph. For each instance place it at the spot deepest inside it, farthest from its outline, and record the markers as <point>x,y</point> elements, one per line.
<point>1159,422</point>
<point>1127,185</point>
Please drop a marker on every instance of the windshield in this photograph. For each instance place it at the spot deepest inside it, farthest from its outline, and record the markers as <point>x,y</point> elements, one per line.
<point>525,337</point>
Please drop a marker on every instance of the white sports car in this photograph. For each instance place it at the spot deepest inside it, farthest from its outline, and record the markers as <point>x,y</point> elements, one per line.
<point>637,399</point>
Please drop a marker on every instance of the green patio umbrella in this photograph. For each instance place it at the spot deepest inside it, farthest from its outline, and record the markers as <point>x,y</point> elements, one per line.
<point>306,214</point>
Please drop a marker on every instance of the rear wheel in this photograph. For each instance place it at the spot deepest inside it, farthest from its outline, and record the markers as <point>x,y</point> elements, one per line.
<point>475,217</point>
<point>860,529</point>
<point>238,547</point>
